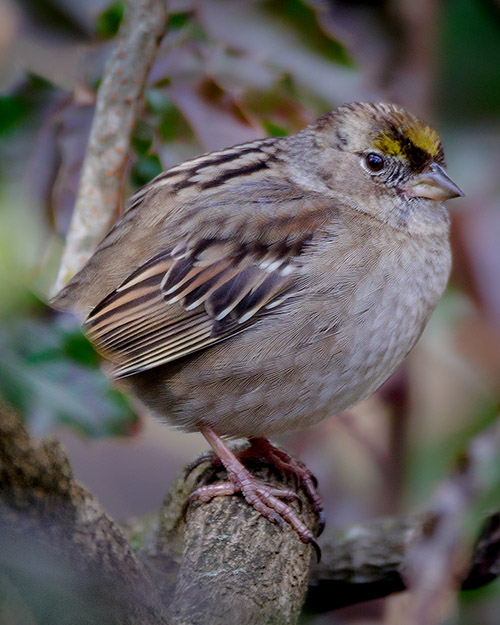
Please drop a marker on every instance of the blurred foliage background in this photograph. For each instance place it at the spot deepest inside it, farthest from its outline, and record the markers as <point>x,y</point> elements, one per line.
<point>228,72</point>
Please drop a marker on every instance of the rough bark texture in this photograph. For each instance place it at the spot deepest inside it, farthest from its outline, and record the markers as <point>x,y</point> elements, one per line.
<point>224,563</point>
<point>367,560</point>
<point>236,566</point>
<point>362,560</point>
<point>50,520</point>
<point>118,99</point>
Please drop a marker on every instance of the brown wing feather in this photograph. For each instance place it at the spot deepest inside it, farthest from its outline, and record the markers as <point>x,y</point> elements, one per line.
<point>175,305</point>
<point>222,271</point>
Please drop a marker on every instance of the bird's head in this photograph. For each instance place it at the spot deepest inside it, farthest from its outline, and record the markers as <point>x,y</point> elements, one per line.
<point>388,163</point>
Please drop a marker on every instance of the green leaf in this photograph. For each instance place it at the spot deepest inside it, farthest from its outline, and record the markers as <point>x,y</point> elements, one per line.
<point>469,58</point>
<point>145,169</point>
<point>142,137</point>
<point>108,22</point>
<point>50,374</point>
<point>176,21</point>
<point>302,18</point>
<point>169,121</point>
<point>274,130</point>
<point>13,110</point>
<point>21,107</point>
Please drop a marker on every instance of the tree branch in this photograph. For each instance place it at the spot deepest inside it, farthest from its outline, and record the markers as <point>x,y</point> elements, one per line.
<point>361,562</point>
<point>421,553</point>
<point>434,566</point>
<point>118,100</point>
<point>367,560</point>
<point>235,565</point>
<point>44,511</point>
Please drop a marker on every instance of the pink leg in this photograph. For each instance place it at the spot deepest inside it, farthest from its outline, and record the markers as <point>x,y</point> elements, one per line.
<point>266,500</point>
<point>263,448</point>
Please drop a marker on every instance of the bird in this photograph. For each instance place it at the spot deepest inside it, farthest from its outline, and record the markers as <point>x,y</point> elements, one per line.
<point>261,288</point>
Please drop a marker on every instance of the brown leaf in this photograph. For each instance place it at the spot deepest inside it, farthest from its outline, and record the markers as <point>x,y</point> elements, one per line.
<point>216,120</point>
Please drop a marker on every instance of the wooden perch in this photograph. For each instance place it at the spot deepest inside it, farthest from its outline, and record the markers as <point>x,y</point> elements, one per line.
<point>226,562</point>
<point>361,562</point>
<point>118,101</point>
<point>236,567</point>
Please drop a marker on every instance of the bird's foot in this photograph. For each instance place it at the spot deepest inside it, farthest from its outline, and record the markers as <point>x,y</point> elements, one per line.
<point>261,449</point>
<point>268,501</point>
<point>264,450</point>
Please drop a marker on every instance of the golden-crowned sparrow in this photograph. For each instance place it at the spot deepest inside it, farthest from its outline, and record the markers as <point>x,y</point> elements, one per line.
<point>262,288</point>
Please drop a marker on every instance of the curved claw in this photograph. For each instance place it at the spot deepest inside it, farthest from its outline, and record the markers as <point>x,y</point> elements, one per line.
<point>262,450</point>
<point>185,507</point>
<point>317,550</point>
<point>321,522</point>
<point>208,456</point>
<point>283,462</point>
<point>276,519</point>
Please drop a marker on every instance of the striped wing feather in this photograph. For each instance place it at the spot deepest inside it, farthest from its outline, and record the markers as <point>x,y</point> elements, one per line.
<point>184,300</point>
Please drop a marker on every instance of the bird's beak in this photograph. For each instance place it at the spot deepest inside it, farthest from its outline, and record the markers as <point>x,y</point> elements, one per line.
<point>434,184</point>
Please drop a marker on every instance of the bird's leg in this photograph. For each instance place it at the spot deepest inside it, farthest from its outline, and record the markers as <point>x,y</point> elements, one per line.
<point>266,500</point>
<point>262,448</point>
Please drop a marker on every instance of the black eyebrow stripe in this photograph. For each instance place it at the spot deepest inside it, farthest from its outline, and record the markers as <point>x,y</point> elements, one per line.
<point>417,157</point>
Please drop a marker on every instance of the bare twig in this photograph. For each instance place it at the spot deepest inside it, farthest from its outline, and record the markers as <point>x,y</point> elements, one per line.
<point>117,103</point>
<point>485,564</point>
<point>361,562</point>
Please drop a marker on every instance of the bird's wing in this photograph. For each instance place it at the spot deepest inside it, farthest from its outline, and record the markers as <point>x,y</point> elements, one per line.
<point>208,287</point>
<point>212,182</point>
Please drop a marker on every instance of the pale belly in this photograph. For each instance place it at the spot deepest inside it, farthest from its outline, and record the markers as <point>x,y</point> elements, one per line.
<point>312,384</point>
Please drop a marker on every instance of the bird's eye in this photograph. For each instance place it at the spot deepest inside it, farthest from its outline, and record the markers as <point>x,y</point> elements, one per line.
<point>374,162</point>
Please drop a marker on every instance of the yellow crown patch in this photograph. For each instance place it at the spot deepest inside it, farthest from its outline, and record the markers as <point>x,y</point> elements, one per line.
<point>425,138</point>
<point>400,143</point>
